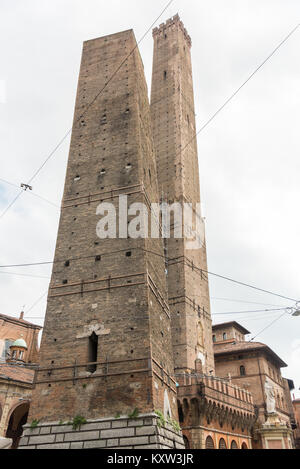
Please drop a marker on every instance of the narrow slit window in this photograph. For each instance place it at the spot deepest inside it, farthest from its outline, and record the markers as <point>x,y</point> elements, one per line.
<point>92,352</point>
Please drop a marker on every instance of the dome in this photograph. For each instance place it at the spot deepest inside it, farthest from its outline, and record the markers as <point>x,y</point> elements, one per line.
<point>19,343</point>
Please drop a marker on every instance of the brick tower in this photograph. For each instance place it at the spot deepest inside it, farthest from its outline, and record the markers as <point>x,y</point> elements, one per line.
<point>174,129</point>
<point>106,352</point>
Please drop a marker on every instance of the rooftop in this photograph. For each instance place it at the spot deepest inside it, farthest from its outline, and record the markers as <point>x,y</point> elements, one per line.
<point>242,347</point>
<point>16,373</point>
<point>234,324</point>
<point>19,321</point>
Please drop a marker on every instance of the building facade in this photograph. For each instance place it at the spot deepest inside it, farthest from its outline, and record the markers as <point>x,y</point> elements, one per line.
<point>19,355</point>
<point>256,368</point>
<point>296,406</point>
<point>128,356</point>
<point>111,357</point>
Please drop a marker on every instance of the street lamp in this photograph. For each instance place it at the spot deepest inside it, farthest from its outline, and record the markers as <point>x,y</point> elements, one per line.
<point>296,311</point>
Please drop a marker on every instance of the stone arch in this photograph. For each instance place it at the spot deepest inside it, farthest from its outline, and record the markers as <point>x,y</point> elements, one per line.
<point>234,445</point>
<point>16,419</point>
<point>195,413</point>
<point>167,406</point>
<point>244,446</point>
<point>186,442</point>
<point>222,444</point>
<point>180,412</point>
<point>209,443</point>
<point>186,406</point>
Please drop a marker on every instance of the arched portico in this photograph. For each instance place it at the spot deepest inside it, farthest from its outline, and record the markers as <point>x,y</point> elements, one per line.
<point>16,419</point>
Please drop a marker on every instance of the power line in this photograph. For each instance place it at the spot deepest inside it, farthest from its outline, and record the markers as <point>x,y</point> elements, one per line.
<point>267,327</point>
<point>36,303</point>
<point>84,112</point>
<point>247,285</point>
<point>99,93</point>
<point>24,275</point>
<point>30,193</point>
<point>160,255</point>
<point>233,300</point>
<point>246,312</point>
<point>239,89</point>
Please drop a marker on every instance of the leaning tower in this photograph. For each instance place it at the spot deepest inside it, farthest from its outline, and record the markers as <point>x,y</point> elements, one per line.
<point>174,132</point>
<point>106,375</point>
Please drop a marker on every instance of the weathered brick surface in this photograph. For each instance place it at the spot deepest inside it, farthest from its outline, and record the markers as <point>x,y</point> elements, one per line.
<point>13,328</point>
<point>146,431</point>
<point>55,446</point>
<point>94,444</point>
<point>117,433</point>
<point>81,436</point>
<point>126,437</point>
<point>36,440</point>
<point>174,128</point>
<point>77,445</point>
<point>122,299</point>
<point>138,440</point>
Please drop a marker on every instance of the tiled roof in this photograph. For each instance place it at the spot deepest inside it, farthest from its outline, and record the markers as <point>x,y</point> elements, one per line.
<point>16,373</point>
<point>240,347</point>
<point>21,322</point>
<point>235,324</point>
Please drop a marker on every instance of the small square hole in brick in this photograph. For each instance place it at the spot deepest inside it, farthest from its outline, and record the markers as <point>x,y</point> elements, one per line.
<point>128,254</point>
<point>98,258</point>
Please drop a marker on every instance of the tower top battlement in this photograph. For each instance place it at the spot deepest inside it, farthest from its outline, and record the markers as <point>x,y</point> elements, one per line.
<point>171,22</point>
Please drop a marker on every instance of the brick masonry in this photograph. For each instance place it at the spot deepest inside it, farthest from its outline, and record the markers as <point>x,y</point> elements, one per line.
<point>122,433</point>
<point>174,129</point>
<point>114,289</point>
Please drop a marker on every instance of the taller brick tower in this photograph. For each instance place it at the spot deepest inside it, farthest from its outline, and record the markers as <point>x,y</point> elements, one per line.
<point>174,129</point>
<point>106,352</point>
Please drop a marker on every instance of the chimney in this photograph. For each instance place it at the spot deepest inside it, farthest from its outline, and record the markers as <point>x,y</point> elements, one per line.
<point>22,315</point>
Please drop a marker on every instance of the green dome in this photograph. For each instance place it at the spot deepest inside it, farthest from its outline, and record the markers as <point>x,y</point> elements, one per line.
<point>20,343</point>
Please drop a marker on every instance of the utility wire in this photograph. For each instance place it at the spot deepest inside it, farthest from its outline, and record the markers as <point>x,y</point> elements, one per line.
<point>36,303</point>
<point>24,275</point>
<point>240,88</point>
<point>84,112</point>
<point>247,285</point>
<point>30,193</point>
<point>273,322</point>
<point>233,300</point>
<point>98,94</point>
<point>162,256</point>
<point>246,312</point>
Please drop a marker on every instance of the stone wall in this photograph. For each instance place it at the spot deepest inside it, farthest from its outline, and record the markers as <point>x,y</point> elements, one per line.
<point>122,433</point>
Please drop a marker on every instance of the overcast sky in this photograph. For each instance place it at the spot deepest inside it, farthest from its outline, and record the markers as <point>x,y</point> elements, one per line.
<point>249,154</point>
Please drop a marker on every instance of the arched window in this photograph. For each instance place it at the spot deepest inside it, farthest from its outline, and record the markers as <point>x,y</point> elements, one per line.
<point>234,445</point>
<point>222,444</point>
<point>214,339</point>
<point>244,446</point>
<point>92,352</point>
<point>242,370</point>
<point>209,443</point>
<point>8,343</point>
<point>225,336</point>
<point>186,442</point>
